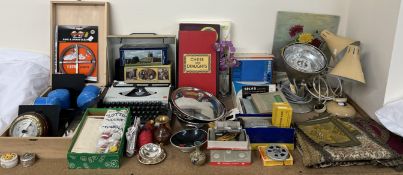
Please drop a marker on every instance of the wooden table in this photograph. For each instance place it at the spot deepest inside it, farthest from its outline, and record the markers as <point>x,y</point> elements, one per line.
<point>178,163</point>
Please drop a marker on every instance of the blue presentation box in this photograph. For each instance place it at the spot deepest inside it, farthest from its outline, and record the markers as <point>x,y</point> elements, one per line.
<point>267,136</point>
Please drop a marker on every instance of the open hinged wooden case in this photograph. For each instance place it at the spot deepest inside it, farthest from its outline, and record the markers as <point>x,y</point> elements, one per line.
<point>86,13</point>
<point>83,153</point>
<point>115,42</point>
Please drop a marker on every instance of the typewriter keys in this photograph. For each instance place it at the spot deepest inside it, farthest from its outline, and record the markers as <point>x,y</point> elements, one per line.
<point>29,124</point>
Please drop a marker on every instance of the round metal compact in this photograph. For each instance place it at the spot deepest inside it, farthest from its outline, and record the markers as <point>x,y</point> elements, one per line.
<point>27,159</point>
<point>9,160</point>
<point>277,152</point>
<point>195,106</point>
<point>303,60</point>
<point>151,154</point>
<point>29,124</point>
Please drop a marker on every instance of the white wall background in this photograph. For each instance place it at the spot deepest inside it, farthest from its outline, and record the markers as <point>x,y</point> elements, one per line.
<point>372,22</point>
<point>25,23</point>
<point>394,88</point>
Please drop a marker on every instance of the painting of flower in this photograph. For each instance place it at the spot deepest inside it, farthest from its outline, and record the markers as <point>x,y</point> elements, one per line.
<point>305,38</point>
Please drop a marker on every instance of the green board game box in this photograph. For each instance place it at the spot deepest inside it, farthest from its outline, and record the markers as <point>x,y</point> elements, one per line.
<point>81,160</point>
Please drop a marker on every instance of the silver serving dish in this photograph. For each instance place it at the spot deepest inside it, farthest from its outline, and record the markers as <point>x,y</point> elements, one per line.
<point>151,154</point>
<point>196,106</point>
<point>303,60</point>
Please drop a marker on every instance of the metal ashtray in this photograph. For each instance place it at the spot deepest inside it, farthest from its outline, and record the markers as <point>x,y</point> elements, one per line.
<point>194,105</point>
<point>151,153</point>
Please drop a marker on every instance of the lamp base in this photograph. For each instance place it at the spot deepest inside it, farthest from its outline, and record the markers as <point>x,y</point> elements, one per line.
<point>340,109</point>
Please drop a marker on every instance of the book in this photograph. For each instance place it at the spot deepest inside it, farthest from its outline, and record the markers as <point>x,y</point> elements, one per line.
<point>225,27</point>
<point>201,27</point>
<point>197,60</point>
<point>264,101</point>
<point>253,67</point>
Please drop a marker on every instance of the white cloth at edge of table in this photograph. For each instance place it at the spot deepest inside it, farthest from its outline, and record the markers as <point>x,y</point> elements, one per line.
<point>391,116</point>
<point>24,75</point>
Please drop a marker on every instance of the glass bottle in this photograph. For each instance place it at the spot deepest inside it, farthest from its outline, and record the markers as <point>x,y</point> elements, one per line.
<point>162,134</point>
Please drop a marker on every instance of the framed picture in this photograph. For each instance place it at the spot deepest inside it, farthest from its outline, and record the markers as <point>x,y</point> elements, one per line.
<point>148,74</point>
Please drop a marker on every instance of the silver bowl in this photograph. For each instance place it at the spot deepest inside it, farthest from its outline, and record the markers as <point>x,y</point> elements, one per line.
<point>151,153</point>
<point>186,140</point>
<point>196,106</point>
<point>303,61</point>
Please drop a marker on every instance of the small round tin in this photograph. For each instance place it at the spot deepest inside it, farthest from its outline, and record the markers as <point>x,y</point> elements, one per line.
<point>27,159</point>
<point>9,160</point>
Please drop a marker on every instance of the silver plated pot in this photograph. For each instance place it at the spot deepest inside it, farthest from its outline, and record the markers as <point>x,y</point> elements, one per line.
<point>195,106</point>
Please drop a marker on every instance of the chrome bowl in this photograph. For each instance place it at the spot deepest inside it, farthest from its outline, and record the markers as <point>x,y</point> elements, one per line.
<point>196,106</point>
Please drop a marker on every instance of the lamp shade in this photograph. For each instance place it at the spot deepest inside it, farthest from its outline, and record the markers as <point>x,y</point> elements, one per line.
<point>349,66</point>
<point>336,44</point>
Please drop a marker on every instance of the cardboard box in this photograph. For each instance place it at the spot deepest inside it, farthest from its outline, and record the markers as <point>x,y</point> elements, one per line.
<point>268,162</point>
<point>282,115</point>
<point>230,157</point>
<point>213,144</point>
<point>66,13</point>
<point>96,160</point>
<point>237,92</point>
<point>267,136</point>
<point>253,67</point>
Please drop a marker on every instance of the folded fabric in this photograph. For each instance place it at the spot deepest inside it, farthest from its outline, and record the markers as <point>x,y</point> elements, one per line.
<point>24,76</point>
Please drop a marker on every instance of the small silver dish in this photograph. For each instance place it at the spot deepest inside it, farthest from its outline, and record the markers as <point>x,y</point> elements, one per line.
<point>152,161</point>
<point>150,151</point>
<point>150,154</point>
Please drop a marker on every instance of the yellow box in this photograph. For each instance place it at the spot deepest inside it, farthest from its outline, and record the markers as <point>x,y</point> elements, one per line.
<point>255,146</point>
<point>282,115</point>
<point>269,162</point>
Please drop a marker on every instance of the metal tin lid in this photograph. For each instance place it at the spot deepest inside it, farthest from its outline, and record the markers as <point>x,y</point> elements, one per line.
<point>9,160</point>
<point>27,159</point>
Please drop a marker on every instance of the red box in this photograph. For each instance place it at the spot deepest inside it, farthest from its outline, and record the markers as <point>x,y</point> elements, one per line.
<point>197,64</point>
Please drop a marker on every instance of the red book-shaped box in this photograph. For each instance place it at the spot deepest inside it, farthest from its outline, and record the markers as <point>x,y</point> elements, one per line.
<point>197,64</point>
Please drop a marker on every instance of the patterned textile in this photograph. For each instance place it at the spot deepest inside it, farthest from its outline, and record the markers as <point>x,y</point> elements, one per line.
<point>329,131</point>
<point>369,150</point>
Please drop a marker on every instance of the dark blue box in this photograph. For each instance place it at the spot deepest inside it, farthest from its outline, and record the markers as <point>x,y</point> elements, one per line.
<point>266,136</point>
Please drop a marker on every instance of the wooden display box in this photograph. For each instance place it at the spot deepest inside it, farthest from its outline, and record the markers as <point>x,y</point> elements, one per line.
<point>66,13</point>
<point>83,13</point>
<point>96,160</point>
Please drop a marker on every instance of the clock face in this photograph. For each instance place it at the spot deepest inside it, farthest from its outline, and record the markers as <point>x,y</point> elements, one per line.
<point>28,125</point>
